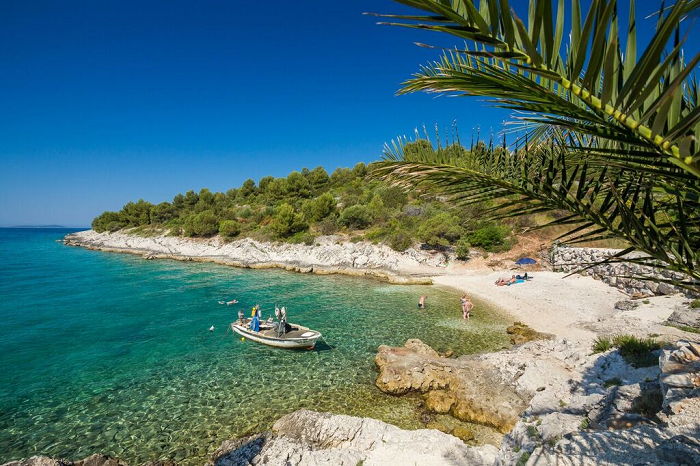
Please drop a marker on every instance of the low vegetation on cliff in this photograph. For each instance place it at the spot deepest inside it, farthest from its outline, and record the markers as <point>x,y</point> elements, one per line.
<point>310,203</point>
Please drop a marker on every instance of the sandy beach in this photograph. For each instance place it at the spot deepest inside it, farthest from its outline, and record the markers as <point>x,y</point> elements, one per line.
<point>576,307</point>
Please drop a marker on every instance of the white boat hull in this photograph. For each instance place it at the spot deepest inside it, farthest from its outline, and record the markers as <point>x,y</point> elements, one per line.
<point>301,342</point>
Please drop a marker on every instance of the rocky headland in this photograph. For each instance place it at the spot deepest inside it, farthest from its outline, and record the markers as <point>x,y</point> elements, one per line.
<point>328,255</point>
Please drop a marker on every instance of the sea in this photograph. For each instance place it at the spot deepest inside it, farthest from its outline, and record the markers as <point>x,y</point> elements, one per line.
<point>109,353</point>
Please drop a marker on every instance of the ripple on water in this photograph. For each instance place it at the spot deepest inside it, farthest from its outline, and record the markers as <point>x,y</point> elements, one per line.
<point>124,364</point>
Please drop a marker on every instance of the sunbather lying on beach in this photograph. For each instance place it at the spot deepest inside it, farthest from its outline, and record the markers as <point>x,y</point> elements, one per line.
<point>506,281</point>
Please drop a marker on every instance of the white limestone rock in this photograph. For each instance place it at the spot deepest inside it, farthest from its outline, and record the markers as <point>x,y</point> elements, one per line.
<point>308,438</point>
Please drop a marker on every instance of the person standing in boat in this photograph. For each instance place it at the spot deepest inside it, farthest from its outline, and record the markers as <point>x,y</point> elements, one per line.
<point>255,321</point>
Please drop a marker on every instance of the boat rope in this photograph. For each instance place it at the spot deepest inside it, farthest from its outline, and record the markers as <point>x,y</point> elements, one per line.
<point>227,330</point>
<point>324,340</point>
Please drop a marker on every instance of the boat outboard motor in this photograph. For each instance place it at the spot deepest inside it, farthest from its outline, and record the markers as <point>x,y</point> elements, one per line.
<point>240,316</point>
<point>281,326</point>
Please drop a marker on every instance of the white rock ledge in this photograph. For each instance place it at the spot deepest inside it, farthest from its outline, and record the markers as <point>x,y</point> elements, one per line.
<point>327,256</point>
<point>309,438</point>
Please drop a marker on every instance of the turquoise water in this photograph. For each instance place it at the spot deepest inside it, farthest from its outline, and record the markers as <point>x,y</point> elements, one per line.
<point>104,352</point>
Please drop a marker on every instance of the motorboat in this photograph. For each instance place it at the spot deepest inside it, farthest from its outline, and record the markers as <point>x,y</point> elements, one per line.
<point>277,334</point>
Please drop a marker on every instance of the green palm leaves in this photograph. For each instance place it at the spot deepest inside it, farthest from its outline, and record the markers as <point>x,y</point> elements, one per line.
<point>612,138</point>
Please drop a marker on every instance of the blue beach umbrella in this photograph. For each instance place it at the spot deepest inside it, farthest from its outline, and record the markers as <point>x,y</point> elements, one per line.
<point>525,261</point>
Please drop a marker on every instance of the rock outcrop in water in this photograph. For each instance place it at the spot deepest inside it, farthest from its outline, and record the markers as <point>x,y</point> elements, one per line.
<point>455,386</point>
<point>328,255</point>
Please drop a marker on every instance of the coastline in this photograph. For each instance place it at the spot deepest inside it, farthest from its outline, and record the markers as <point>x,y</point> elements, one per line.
<point>578,307</point>
<point>327,256</point>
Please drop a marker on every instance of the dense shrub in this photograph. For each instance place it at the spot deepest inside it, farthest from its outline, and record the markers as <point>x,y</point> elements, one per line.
<point>321,207</point>
<point>392,197</point>
<point>488,236</point>
<point>327,226</point>
<point>400,241</point>
<point>205,224</point>
<point>462,249</point>
<point>356,216</point>
<point>440,230</point>
<point>229,228</point>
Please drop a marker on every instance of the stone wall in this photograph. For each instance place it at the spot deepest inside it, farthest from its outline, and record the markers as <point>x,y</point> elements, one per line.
<point>569,259</point>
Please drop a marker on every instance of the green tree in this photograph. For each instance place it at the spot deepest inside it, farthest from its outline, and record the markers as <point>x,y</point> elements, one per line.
<point>162,212</point>
<point>462,249</point>
<point>393,197</point>
<point>318,177</point>
<point>137,213</point>
<point>359,170</point>
<point>206,197</point>
<point>341,176</point>
<point>321,207</point>
<point>179,202</point>
<point>205,223</point>
<point>376,206</point>
<point>488,236</point>
<point>108,221</point>
<point>264,183</point>
<point>277,189</point>
<point>298,185</point>
<point>191,199</point>
<point>287,222</point>
<point>247,189</point>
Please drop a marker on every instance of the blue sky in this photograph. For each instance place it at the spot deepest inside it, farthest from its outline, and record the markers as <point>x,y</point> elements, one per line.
<point>103,102</point>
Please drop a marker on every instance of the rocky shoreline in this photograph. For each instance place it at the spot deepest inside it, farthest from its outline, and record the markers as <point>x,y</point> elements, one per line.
<point>558,403</point>
<point>329,255</point>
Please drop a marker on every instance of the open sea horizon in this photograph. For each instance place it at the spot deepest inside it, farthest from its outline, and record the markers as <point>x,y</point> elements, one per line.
<point>109,353</point>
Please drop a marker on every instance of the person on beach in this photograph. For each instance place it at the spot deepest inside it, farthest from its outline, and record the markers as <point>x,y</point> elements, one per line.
<point>421,302</point>
<point>506,281</point>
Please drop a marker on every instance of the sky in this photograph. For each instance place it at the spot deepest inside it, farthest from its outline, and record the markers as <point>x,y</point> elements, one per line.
<point>103,102</point>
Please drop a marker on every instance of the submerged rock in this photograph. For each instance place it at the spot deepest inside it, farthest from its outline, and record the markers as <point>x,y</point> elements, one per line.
<point>521,333</point>
<point>92,460</point>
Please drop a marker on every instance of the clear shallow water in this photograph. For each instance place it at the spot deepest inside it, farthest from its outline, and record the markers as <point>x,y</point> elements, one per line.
<point>104,352</point>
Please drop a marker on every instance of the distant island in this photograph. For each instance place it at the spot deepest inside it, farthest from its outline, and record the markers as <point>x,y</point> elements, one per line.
<point>39,226</point>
